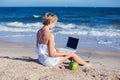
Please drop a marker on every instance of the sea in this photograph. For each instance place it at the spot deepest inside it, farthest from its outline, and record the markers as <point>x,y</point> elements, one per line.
<point>95,26</point>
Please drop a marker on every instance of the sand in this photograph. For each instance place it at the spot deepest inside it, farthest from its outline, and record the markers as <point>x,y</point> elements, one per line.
<point>18,61</point>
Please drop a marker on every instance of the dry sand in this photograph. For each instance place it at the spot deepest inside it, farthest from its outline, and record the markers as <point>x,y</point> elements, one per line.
<point>18,61</point>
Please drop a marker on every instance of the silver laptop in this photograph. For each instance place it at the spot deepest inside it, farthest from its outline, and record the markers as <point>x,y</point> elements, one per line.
<point>72,45</point>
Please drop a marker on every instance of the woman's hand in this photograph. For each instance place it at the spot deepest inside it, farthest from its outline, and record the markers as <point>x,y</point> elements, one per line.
<point>58,49</point>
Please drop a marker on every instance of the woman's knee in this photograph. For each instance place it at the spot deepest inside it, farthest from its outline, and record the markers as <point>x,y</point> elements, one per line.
<point>73,54</point>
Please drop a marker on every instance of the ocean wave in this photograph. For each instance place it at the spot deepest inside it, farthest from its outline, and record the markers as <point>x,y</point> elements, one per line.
<point>73,32</point>
<point>20,27</point>
<point>18,35</point>
<point>98,30</point>
<point>4,28</point>
<point>94,32</point>
<point>36,16</point>
<point>65,26</point>
<point>61,28</point>
<point>20,24</point>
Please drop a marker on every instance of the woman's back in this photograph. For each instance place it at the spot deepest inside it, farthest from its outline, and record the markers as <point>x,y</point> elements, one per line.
<point>43,37</point>
<point>42,42</point>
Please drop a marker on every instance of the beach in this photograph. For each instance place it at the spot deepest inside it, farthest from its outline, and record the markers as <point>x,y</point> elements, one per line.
<point>18,61</point>
<point>98,31</point>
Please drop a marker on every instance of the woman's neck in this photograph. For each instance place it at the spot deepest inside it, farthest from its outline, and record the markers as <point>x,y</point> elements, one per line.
<point>46,28</point>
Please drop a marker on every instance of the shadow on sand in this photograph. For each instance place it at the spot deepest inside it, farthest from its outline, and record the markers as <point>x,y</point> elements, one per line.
<point>23,58</point>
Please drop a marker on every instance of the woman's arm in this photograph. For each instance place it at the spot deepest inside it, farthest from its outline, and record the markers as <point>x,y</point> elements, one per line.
<point>51,48</point>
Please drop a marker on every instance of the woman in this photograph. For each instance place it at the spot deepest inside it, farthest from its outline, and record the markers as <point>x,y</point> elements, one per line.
<point>47,55</point>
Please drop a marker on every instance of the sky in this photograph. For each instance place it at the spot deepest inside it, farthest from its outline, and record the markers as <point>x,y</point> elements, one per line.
<point>67,3</point>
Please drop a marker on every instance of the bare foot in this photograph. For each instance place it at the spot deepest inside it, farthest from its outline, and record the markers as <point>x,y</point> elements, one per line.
<point>87,65</point>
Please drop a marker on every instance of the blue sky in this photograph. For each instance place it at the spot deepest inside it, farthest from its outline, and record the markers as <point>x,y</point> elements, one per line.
<point>84,3</point>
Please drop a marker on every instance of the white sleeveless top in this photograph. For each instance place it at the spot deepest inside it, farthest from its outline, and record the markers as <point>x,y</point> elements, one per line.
<point>42,50</point>
<point>44,58</point>
<point>43,55</point>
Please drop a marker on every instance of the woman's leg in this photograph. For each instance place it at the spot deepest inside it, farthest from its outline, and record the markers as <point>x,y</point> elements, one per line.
<point>75,58</point>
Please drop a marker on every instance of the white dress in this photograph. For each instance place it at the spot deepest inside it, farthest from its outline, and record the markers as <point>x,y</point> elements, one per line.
<point>44,58</point>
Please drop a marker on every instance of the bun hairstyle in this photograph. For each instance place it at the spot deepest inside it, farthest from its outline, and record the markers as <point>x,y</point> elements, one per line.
<point>49,18</point>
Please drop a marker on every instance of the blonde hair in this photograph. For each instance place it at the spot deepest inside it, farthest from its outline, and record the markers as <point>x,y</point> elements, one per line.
<point>49,18</point>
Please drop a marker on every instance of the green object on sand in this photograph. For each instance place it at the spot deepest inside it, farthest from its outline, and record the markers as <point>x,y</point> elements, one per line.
<point>73,66</point>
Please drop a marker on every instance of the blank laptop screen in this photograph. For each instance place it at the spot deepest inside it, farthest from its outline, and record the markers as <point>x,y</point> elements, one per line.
<point>72,42</point>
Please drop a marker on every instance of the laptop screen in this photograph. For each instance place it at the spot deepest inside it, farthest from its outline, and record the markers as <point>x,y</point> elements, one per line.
<point>72,42</point>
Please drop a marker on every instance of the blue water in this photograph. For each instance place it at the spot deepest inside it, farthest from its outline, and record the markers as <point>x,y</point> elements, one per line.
<point>75,15</point>
<point>20,24</point>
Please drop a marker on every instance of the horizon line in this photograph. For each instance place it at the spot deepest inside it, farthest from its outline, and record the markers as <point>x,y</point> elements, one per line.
<point>67,6</point>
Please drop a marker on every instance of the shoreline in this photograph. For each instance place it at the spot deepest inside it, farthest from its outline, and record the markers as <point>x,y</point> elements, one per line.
<point>85,42</point>
<point>32,46</point>
<point>19,61</point>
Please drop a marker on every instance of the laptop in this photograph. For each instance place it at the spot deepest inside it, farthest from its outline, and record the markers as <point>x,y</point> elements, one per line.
<point>71,46</point>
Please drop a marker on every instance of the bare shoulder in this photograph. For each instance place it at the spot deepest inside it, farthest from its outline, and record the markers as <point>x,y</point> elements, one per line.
<point>48,35</point>
<point>51,36</point>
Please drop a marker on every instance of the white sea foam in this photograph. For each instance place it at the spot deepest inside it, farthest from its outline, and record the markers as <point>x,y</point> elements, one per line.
<point>20,24</point>
<point>105,32</point>
<point>36,16</point>
<point>18,35</point>
<point>111,41</point>
<point>4,28</point>
<point>86,30</point>
<point>104,42</point>
<point>20,27</point>
<point>65,26</point>
<point>91,32</point>
<point>74,32</point>
<point>62,29</point>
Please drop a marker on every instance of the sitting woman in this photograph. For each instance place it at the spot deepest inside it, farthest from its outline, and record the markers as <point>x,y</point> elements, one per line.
<point>47,55</point>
